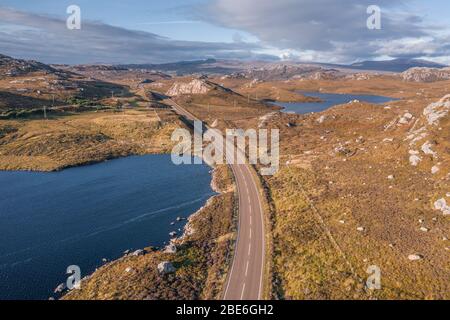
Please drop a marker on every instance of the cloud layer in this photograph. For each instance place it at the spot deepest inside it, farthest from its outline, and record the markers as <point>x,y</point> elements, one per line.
<point>46,38</point>
<point>310,30</point>
<point>329,29</point>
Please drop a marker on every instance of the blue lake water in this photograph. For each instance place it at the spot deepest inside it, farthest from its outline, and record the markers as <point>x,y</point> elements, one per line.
<point>328,100</point>
<point>81,215</point>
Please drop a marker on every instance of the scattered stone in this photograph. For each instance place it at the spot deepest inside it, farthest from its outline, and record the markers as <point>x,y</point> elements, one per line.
<point>426,148</point>
<point>360,229</point>
<point>415,257</point>
<point>414,160</point>
<point>104,260</point>
<point>441,205</point>
<point>127,251</point>
<point>342,221</point>
<point>62,287</point>
<point>434,169</point>
<point>138,253</point>
<point>406,118</point>
<point>173,234</point>
<point>128,270</point>
<point>423,229</point>
<point>171,248</point>
<point>321,119</point>
<point>391,177</point>
<point>342,150</point>
<point>166,267</point>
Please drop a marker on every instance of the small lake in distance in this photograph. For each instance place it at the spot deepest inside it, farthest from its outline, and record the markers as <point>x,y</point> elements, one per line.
<point>81,215</point>
<point>328,100</point>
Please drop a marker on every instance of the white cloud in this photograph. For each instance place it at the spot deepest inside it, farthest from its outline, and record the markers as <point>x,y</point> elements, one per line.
<point>47,39</point>
<point>330,29</point>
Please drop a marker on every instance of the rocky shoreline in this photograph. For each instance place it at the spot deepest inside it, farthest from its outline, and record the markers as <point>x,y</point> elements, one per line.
<point>164,260</point>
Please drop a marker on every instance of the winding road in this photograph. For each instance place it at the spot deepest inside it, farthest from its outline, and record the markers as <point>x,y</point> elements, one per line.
<point>245,278</point>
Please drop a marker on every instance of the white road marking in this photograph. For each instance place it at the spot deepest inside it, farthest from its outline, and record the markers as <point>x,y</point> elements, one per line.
<point>249,248</point>
<point>246,267</point>
<point>242,293</point>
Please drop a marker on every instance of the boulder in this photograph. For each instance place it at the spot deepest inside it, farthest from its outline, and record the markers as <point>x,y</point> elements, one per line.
<point>173,234</point>
<point>441,205</point>
<point>138,253</point>
<point>414,160</point>
<point>415,257</point>
<point>321,119</point>
<point>166,267</point>
<point>171,248</point>
<point>426,148</point>
<point>406,118</point>
<point>61,288</point>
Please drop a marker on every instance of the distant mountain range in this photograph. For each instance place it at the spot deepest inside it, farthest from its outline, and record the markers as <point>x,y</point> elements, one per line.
<point>396,65</point>
<point>13,66</point>
<point>185,67</point>
<point>224,66</point>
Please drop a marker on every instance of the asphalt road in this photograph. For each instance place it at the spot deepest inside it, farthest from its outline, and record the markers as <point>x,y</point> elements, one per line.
<point>245,278</point>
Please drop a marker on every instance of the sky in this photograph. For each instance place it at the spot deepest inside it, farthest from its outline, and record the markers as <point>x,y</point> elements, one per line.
<point>154,31</point>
